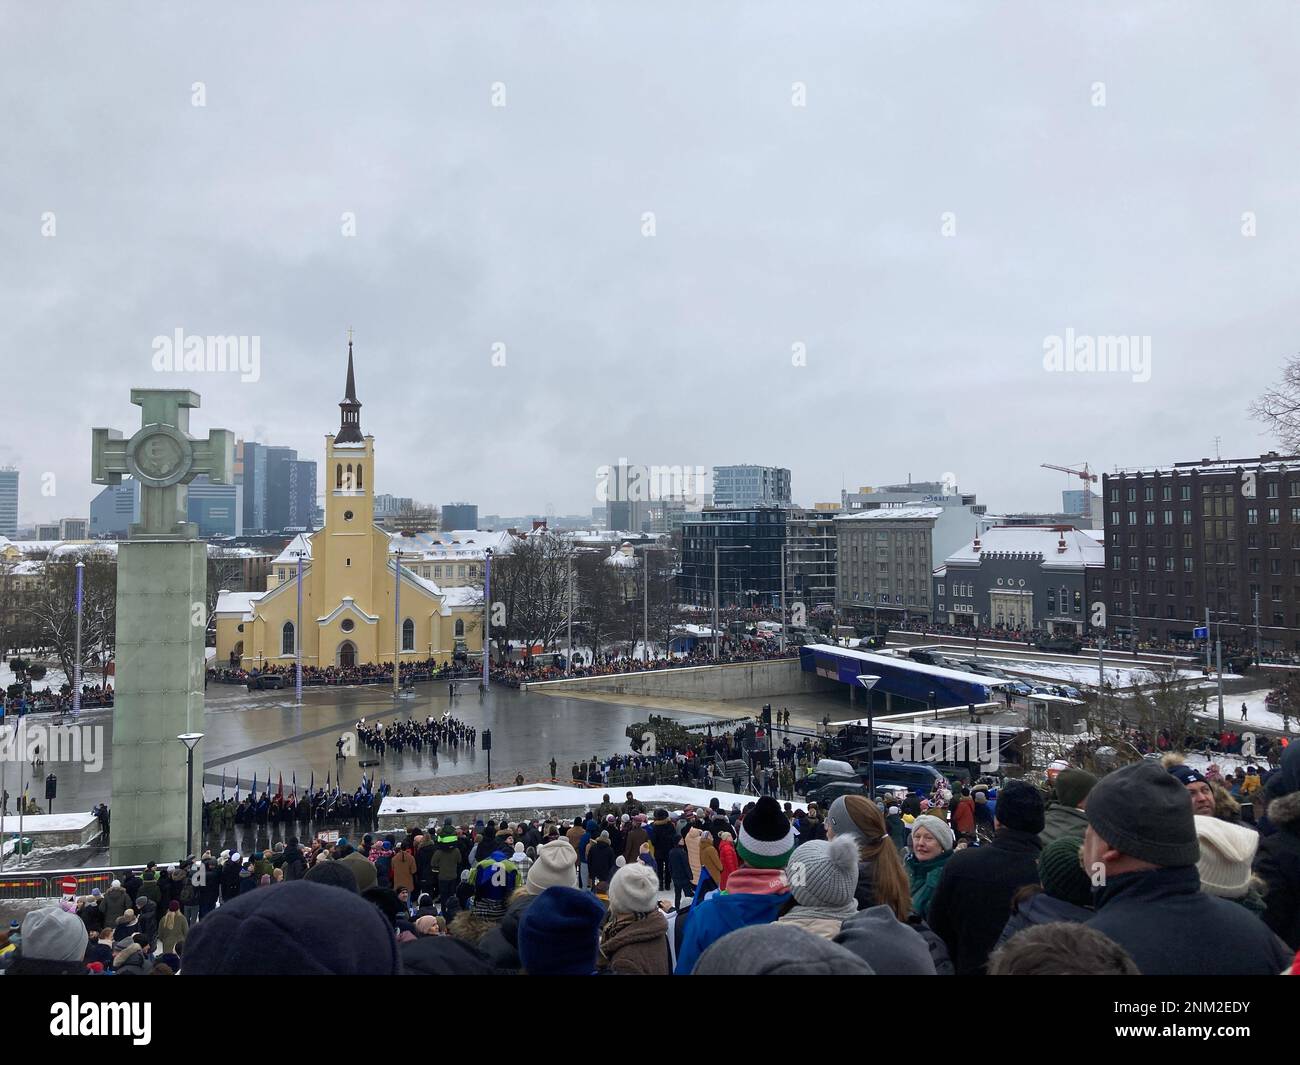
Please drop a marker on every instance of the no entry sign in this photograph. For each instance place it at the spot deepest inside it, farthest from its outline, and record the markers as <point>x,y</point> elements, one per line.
<point>69,886</point>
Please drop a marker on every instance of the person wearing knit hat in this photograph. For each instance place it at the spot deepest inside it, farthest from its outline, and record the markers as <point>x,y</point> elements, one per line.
<point>930,845</point>
<point>52,942</point>
<point>1141,847</point>
<point>823,879</point>
<point>299,929</point>
<point>634,937</point>
<point>1020,807</point>
<point>1199,790</point>
<point>756,892</point>
<point>554,866</point>
<point>1065,893</point>
<point>1227,854</point>
<point>766,839</point>
<point>559,933</point>
<point>972,903</point>
<point>1064,817</point>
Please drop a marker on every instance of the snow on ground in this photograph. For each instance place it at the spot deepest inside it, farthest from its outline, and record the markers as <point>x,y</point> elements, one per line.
<point>1119,676</point>
<point>1257,712</point>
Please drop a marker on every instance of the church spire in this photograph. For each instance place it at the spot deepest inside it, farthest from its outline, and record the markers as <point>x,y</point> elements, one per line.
<point>350,421</point>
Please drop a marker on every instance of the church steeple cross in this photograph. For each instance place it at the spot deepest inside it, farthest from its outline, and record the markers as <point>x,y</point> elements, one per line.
<point>164,458</point>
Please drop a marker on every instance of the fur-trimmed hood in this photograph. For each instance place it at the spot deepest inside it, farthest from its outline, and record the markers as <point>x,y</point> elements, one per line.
<point>1284,813</point>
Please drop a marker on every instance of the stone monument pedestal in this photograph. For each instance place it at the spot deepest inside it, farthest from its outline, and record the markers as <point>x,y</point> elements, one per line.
<point>159,696</point>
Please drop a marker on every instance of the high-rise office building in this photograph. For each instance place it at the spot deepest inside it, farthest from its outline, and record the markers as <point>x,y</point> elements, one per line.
<point>115,509</point>
<point>250,470</point>
<point>460,516</point>
<point>8,501</point>
<point>751,486</point>
<point>217,509</point>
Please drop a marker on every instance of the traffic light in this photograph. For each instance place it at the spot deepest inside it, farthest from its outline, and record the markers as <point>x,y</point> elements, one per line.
<point>487,739</point>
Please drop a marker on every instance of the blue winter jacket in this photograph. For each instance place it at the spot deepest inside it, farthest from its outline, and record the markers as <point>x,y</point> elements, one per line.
<point>713,918</point>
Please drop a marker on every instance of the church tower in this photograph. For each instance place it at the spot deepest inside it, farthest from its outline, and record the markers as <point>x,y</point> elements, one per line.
<point>346,555</point>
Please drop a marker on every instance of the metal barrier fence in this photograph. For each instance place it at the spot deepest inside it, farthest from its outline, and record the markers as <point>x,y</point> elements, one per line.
<point>48,883</point>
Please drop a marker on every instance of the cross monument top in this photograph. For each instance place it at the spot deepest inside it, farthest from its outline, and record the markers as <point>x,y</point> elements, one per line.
<point>164,458</point>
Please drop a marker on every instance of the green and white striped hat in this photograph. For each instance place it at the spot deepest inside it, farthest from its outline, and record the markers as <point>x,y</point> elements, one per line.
<point>766,837</point>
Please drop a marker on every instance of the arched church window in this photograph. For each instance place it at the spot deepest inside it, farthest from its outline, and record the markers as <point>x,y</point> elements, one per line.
<point>286,639</point>
<point>408,635</point>
<point>338,476</point>
<point>460,627</point>
<point>359,484</point>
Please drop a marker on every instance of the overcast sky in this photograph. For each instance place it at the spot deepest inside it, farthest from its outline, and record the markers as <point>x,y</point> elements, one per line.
<point>775,225</point>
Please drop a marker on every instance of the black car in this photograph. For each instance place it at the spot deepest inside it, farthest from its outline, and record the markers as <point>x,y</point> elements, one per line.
<point>926,657</point>
<point>815,781</point>
<point>259,681</point>
<point>828,793</point>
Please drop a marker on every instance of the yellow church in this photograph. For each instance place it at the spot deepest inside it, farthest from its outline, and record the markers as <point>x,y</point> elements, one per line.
<point>351,604</point>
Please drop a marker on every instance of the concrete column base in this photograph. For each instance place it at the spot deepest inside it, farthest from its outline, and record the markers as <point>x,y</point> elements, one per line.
<point>161,616</point>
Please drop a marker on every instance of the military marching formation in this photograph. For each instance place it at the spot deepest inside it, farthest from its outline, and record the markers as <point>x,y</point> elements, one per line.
<point>432,732</point>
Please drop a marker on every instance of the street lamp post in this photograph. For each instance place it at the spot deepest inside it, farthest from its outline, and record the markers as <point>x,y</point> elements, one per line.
<point>397,626</point>
<point>76,660</point>
<point>191,740</point>
<point>297,642</point>
<point>869,682</point>
<point>487,614</point>
<point>716,549</point>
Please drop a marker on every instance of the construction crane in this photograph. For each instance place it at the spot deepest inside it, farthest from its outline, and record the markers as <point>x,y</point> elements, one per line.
<point>1086,475</point>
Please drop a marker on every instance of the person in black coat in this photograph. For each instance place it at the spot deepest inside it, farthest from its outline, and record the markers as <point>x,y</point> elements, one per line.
<point>601,859</point>
<point>294,863</point>
<point>1278,864</point>
<point>973,901</point>
<point>229,877</point>
<point>663,837</point>
<point>679,869</point>
<point>1141,843</point>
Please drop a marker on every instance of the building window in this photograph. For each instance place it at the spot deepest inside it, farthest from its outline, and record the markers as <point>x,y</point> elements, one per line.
<point>408,635</point>
<point>338,476</point>
<point>1252,516</point>
<point>359,483</point>
<point>460,627</point>
<point>286,639</point>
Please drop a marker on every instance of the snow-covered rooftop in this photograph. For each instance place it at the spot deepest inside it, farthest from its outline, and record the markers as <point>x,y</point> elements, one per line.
<point>894,514</point>
<point>240,603</point>
<point>299,546</point>
<point>1039,543</point>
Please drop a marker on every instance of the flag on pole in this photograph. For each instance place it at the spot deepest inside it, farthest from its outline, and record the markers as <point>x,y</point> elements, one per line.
<point>223,783</point>
<point>279,790</point>
<point>253,793</point>
<point>311,788</point>
<point>236,783</point>
<point>295,783</point>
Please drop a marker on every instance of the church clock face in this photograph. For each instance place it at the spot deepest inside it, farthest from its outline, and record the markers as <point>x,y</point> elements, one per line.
<point>159,456</point>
